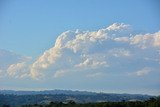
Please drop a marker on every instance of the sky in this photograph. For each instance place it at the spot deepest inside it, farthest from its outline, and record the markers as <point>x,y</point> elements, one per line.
<point>94,45</point>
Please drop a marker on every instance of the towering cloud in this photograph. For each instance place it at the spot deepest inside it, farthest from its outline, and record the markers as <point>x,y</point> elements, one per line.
<point>112,49</point>
<point>114,46</point>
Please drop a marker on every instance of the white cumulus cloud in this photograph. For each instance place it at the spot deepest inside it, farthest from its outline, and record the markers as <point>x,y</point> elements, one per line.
<point>146,40</point>
<point>13,64</point>
<point>114,48</point>
<point>92,63</point>
<point>18,70</point>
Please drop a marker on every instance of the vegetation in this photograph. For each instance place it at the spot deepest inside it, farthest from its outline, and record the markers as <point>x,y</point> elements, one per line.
<point>19,100</point>
<point>152,102</point>
<point>75,99</point>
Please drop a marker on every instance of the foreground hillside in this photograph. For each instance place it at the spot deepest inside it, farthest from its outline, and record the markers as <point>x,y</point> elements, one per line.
<point>153,102</point>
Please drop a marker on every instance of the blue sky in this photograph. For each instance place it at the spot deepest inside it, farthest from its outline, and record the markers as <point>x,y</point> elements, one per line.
<point>28,28</point>
<point>24,22</point>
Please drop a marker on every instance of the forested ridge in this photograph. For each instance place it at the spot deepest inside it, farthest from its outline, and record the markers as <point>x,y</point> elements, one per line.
<point>68,98</point>
<point>152,102</point>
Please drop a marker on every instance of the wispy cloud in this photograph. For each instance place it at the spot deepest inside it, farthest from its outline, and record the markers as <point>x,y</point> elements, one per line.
<point>60,73</point>
<point>144,71</point>
<point>95,75</point>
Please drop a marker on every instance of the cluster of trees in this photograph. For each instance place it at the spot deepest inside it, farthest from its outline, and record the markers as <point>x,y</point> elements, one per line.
<point>152,102</point>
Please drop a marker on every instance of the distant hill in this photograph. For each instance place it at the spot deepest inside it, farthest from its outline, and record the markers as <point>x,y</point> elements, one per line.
<point>51,92</point>
<point>17,98</point>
